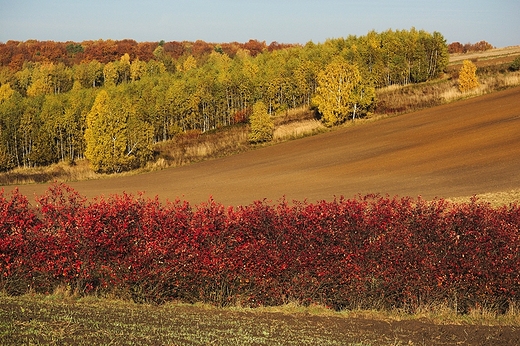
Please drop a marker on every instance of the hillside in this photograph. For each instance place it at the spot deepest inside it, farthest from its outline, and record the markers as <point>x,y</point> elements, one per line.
<point>458,149</point>
<point>503,54</point>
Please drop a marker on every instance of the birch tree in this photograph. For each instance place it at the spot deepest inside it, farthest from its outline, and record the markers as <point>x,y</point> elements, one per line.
<point>105,135</point>
<point>333,94</point>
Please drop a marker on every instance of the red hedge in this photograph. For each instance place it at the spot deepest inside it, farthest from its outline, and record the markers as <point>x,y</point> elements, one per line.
<point>370,251</point>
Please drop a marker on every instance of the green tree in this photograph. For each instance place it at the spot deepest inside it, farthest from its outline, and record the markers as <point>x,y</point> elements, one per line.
<point>515,65</point>
<point>333,94</point>
<point>27,134</point>
<point>78,106</point>
<point>139,102</point>
<point>305,80</point>
<point>262,125</point>
<point>139,147</point>
<point>468,76</point>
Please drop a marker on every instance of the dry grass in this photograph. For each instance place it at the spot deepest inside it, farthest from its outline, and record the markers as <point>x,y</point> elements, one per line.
<point>441,314</point>
<point>496,199</point>
<point>489,54</point>
<point>298,129</point>
<point>294,115</point>
<point>488,84</point>
<point>61,172</point>
<point>405,99</point>
<point>195,146</point>
<point>438,313</point>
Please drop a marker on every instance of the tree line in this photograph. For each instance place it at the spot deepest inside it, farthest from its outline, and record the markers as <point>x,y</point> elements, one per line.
<point>113,109</point>
<point>15,53</point>
<point>457,47</point>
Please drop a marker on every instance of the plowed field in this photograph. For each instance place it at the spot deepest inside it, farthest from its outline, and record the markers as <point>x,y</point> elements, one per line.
<point>459,149</point>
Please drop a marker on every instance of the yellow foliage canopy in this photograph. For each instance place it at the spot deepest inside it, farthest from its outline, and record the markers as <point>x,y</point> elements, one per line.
<point>335,85</point>
<point>468,76</point>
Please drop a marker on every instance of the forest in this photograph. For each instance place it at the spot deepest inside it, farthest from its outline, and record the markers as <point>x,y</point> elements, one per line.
<point>111,101</point>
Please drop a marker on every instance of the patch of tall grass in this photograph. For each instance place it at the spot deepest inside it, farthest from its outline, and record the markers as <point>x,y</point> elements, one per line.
<point>496,199</point>
<point>405,99</point>
<point>195,146</point>
<point>59,172</point>
<point>298,129</point>
<point>488,84</point>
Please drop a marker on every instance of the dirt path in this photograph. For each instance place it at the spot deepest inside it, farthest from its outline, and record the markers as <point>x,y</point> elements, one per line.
<point>459,149</point>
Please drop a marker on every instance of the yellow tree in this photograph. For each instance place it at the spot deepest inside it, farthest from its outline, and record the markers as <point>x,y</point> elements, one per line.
<point>106,135</point>
<point>262,125</point>
<point>110,74</point>
<point>137,69</point>
<point>124,68</point>
<point>89,74</point>
<point>333,94</point>
<point>189,64</point>
<point>6,92</point>
<point>362,98</point>
<point>468,76</point>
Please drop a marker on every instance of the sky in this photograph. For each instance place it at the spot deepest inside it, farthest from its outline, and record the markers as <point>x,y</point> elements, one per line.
<point>283,21</point>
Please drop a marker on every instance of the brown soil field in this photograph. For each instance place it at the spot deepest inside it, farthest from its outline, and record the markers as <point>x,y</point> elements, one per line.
<point>459,149</point>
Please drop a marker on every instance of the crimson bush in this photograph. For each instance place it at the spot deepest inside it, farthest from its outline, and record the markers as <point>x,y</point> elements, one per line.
<point>370,251</point>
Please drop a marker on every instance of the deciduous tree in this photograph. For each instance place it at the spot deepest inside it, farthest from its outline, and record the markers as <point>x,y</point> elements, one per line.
<point>333,94</point>
<point>468,76</point>
<point>106,135</point>
<point>262,125</point>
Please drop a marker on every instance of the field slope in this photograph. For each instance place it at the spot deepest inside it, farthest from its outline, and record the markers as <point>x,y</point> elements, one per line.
<point>459,149</point>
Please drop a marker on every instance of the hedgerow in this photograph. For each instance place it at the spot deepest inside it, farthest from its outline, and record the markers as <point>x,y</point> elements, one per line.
<point>369,251</point>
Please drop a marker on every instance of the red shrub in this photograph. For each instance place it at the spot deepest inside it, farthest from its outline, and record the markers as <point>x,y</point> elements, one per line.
<point>367,251</point>
<point>17,221</point>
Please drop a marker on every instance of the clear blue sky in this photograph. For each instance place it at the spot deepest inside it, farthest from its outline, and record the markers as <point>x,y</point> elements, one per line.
<point>284,21</point>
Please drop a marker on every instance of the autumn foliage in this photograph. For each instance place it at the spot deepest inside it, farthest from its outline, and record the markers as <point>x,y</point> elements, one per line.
<point>49,113</point>
<point>457,47</point>
<point>15,53</point>
<point>468,76</point>
<point>371,251</point>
